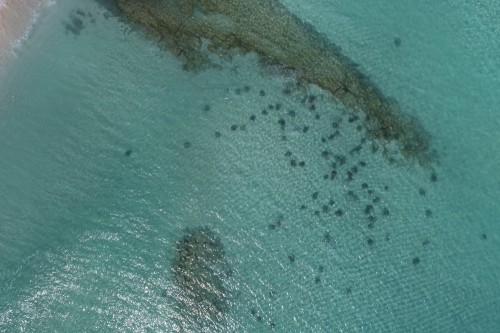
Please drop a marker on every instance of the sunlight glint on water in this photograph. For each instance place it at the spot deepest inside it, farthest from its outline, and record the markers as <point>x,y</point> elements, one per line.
<point>111,153</point>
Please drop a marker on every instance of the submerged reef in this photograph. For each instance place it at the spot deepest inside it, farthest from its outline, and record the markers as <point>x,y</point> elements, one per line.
<point>199,270</point>
<point>192,29</point>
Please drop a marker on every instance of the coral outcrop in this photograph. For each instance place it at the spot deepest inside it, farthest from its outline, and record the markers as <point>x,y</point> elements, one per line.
<point>192,29</point>
<point>199,270</point>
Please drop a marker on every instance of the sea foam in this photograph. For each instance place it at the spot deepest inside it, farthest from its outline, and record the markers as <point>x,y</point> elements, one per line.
<point>17,18</point>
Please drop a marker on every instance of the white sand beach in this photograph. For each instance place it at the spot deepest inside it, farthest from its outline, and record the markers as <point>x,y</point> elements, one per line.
<point>16,20</point>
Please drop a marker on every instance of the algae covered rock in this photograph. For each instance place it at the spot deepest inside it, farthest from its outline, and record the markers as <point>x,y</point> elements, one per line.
<point>200,271</point>
<point>192,29</point>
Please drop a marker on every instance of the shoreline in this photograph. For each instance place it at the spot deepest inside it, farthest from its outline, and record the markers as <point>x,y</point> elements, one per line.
<point>17,18</point>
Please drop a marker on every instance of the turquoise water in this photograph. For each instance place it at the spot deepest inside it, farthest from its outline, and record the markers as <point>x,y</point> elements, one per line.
<point>88,234</point>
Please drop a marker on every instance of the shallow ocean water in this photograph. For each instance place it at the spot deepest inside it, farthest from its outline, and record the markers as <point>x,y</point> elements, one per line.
<point>88,234</point>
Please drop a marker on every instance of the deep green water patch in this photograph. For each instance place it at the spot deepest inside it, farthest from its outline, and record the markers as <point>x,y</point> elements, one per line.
<point>193,29</point>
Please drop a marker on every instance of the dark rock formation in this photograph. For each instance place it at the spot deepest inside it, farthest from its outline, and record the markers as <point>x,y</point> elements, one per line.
<point>199,270</point>
<point>191,29</point>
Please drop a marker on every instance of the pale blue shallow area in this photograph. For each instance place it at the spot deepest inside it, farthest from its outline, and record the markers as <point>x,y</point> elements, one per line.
<point>87,234</point>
